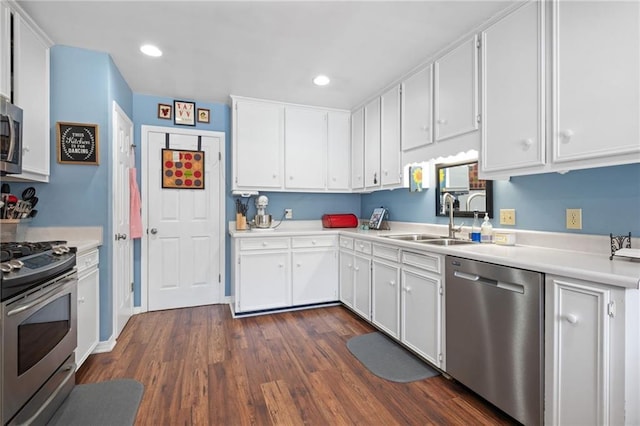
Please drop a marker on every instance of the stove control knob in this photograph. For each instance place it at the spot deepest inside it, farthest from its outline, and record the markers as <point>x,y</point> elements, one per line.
<point>16,264</point>
<point>5,267</point>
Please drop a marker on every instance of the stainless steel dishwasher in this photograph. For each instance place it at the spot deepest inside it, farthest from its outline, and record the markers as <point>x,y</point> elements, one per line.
<point>494,335</point>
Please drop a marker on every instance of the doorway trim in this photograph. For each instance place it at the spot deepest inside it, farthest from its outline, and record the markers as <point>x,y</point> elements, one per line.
<point>144,261</point>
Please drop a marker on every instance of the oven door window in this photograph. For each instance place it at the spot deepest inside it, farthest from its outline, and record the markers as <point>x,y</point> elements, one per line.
<point>42,331</point>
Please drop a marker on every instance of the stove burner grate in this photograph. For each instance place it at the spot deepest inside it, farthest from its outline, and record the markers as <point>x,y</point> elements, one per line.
<point>17,250</point>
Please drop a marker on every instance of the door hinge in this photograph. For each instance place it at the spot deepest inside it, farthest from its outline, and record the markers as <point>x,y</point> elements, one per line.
<point>478,43</point>
<point>611,309</point>
<point>219,278</point>
<point>440,357</point>
<point>440,290</point>
<point>131,287</point>
<point>478,118</point>
<point>220,156</point>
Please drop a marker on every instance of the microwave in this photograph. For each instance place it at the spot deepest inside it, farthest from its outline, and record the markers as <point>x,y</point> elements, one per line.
<point>10,138</point>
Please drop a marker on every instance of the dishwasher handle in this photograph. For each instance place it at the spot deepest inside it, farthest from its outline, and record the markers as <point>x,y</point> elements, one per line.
<point>516,288</point>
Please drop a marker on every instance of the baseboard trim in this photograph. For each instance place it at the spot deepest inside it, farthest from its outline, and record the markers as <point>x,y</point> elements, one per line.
<point>106,346</point>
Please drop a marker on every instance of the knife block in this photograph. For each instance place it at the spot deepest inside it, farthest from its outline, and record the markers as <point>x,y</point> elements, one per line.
<point>241,222</point>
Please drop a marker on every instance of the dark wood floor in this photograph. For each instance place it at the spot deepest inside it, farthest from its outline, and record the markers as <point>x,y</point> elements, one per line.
<point>199,366</point>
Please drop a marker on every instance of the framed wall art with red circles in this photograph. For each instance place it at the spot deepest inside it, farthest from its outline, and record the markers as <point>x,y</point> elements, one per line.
<point>182,169</point>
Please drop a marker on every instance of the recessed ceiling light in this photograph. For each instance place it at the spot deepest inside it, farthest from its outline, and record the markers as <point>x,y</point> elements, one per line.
<point>321,80</point>
<point>150,50</point>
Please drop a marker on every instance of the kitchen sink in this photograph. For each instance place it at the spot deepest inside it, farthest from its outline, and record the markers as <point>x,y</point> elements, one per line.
<point>446,242</point>
<point>412,237</point>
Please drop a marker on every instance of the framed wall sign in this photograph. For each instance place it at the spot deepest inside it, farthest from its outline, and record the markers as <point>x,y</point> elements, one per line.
<point>164,111</point>
<point>77,143</point>
<point>203,115</point>
<point>184,113</point>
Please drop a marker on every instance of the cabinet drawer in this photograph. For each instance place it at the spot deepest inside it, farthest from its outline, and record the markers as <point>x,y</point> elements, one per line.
<point>316,241</point>
<point>386,252</point>
<point>263,243</point>
<point>87,260</point>
<point>346,243</point>
<point>362,246</point>
<point>426,261</point>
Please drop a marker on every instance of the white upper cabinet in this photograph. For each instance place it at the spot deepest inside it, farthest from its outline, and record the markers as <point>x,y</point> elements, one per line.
<point>416,110</point>
<point>513,134</point>
<point>372,145</point>
<point>305,148</point>
<point>357,150</point>
<point>258,144</point>
<point>390,167</point>
<point>596,80</point>
<point>456,91</point>
<point>24,73</point>
<point>285,147</point>
<point>339,151</point>
<point>5,50</point>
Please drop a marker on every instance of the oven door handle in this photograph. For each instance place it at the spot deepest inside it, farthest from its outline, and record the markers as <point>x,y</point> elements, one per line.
<point>28,305</point>
<point>71,371</point>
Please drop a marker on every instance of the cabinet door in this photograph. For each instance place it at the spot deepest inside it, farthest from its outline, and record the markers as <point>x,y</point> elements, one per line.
<point>88,310</point>
<point>5,50</point>
<point>577,347</point>
<point>258,145</point>
<point>263,281</point>
<point>339,151</point>
<point>31,93</point>
<point>315,276</point>
<point>596,73</point>
<point>357,149</point>
<point>513,134</point>
<point>421,314</point>
<point>385,304</point>
<point>347,271</point>
<point>305,143</point>
<point>372,144</point>
<point>362,284</point>
<point>417,97</point>
<point>391,171</point>
<point>456,91</point>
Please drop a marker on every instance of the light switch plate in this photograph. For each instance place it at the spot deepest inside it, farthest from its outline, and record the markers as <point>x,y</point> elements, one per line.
<point>288,213</point>
<point>574,218</point>
<point>507,216</point>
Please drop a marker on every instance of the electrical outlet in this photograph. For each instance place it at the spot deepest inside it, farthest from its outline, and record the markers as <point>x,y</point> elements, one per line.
<point>288,213</point>
<point>574,218</point>
<point>507,216</point>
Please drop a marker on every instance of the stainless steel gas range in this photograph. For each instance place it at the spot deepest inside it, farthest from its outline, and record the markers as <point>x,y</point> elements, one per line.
<point>38,329</point>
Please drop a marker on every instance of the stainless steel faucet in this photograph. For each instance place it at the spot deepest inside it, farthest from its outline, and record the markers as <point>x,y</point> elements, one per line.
<point>452,229</point>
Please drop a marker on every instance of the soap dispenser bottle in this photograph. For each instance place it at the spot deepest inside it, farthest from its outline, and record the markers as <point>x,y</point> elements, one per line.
<point>486,230</point>
<point>475,228</point>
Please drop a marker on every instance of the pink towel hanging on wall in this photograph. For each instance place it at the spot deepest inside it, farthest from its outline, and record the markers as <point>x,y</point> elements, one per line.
<point>135,208</point>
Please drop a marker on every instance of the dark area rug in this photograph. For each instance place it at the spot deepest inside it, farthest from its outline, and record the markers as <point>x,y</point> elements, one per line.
<point>108,403</point>
<point>386,359</point>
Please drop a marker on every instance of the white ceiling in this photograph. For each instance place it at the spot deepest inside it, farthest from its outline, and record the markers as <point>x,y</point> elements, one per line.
<point>263,49</point>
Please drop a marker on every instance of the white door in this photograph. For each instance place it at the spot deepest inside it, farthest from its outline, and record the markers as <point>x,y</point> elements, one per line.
<point>338,150</point>
<point>385,297</point>
<point>372,144</point>
<point>185,228</point>
<point>315,276</point>
<point>347,266</point>
<point>357,149</point>
<point>122,244</point>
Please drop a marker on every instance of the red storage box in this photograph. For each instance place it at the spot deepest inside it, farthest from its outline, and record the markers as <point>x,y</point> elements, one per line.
<point>346,220</point>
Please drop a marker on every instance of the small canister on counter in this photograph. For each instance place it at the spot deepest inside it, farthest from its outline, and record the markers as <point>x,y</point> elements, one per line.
<point>505,238</point>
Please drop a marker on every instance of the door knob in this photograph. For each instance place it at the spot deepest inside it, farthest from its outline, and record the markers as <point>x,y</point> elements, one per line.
<point>154,231</point>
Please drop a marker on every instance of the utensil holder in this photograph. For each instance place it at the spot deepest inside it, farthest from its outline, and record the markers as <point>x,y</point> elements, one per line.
<point>241,222</point>
<point>13,230</point>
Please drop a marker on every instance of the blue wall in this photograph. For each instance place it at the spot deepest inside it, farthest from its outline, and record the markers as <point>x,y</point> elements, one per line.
<point>609,198</point>
<point>83,85</point>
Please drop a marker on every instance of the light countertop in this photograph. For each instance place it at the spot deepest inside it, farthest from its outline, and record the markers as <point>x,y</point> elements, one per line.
<point>563,255</point>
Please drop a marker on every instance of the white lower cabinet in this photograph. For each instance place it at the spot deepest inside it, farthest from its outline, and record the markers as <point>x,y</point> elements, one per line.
<point>385,304</point>
<point>88,305</point>
<point>281,272</point>
<point>314,276</point>
<point>347,277</point>
<point>355,275</point>
<point>585,358</point>
<point>264,281</point>
<point>421,306</point>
